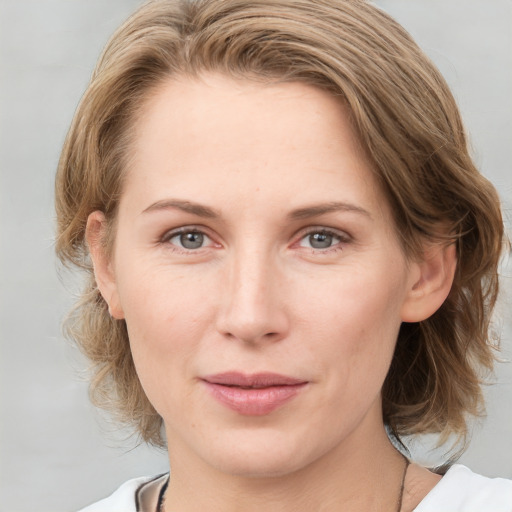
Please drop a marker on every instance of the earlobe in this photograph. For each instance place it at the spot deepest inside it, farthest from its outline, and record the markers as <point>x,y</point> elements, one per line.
<point>95,235</point>
<point>431,282</point>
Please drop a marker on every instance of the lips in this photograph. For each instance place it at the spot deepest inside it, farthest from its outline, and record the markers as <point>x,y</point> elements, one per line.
<point>253,395</point>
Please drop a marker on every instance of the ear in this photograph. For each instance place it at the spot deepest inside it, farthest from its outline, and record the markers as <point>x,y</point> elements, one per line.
<point>431,282</point>
<point>95,235</point>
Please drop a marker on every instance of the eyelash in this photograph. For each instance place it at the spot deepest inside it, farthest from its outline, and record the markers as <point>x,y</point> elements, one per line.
<point>342,237</point>
<point>181,231</point>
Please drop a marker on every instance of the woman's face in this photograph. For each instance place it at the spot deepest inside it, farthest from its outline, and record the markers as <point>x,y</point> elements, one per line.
<point>258,271</point>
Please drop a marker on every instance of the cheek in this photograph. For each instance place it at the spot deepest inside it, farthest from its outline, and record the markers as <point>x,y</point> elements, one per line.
<point>156,297</point>
<point>355,321</point>
<point>166,316</point>
<point>358,301</point>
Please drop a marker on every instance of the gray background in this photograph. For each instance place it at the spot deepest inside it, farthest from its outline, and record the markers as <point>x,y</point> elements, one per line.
<point>56,453</point>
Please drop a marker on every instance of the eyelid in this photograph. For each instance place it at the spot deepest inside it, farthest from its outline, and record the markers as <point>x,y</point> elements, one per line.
<point>193,228</point>
<point>343,236</point>
<point>182,229</point>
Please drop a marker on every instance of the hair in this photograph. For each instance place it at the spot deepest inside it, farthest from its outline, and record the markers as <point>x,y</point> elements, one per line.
<point>408,123</point>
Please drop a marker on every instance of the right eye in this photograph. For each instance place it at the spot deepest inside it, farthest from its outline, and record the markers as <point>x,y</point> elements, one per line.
<point>188,239</point>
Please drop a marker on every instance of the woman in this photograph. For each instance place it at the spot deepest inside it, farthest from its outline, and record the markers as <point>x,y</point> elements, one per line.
<point>291,257</point>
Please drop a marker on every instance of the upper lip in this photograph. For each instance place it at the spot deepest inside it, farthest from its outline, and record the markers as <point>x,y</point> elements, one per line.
<point>254,380</point>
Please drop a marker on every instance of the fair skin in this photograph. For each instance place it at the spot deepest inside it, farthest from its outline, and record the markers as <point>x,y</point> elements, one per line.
<point>252,237</point>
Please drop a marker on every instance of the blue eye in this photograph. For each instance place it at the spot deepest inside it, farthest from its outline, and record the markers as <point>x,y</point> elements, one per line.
<point>189,240</point>
<point>320,240</point>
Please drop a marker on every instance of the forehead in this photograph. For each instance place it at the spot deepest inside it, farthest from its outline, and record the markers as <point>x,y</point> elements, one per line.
<point>218,139</point>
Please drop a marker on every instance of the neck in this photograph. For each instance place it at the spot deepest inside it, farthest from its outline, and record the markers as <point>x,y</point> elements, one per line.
<point>357,475</point>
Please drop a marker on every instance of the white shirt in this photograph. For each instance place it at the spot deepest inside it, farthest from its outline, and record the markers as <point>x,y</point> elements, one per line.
<point>460,490</point>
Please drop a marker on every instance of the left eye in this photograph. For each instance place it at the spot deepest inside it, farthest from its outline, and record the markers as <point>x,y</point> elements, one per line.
<point>189,240</point>
<point>320,240</point>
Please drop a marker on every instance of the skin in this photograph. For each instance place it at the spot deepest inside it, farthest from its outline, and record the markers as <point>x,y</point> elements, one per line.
<point>256,296</point>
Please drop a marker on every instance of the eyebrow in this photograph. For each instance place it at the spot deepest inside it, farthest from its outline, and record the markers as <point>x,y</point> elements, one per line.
<point>298,214</point>
<point>321,209</point>
<point>186,206</point>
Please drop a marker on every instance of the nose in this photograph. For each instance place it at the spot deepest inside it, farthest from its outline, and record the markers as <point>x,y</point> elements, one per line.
<point>253,309</point>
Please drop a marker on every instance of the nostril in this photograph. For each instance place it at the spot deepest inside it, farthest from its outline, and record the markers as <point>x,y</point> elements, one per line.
<point>253,337</point>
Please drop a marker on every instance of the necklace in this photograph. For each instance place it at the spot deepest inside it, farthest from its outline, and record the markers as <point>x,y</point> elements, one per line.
<point>402,484</point>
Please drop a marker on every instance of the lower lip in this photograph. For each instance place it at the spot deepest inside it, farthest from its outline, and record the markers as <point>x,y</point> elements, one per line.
<point>254,402</point>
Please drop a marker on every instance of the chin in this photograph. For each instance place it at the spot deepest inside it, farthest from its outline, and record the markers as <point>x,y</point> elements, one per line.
<point>259,467</point>
<point>275,454</point>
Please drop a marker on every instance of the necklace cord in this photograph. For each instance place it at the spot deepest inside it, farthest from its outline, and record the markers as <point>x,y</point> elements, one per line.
<point>402,484</point>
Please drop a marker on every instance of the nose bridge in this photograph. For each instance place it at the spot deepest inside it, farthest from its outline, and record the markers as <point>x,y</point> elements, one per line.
<point>253,308</point>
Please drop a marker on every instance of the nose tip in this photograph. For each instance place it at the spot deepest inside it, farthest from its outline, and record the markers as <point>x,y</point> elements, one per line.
<point>253,310</point>
<point>253,321</point>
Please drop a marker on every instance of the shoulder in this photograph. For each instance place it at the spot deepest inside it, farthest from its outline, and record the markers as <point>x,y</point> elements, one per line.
<point>461,490</point>
<point>129,494</point>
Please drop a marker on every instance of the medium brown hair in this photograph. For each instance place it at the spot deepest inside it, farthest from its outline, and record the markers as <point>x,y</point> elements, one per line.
<point>408,123</point>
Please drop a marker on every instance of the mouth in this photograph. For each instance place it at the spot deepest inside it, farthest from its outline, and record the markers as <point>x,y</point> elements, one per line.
<point>253,395</point>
